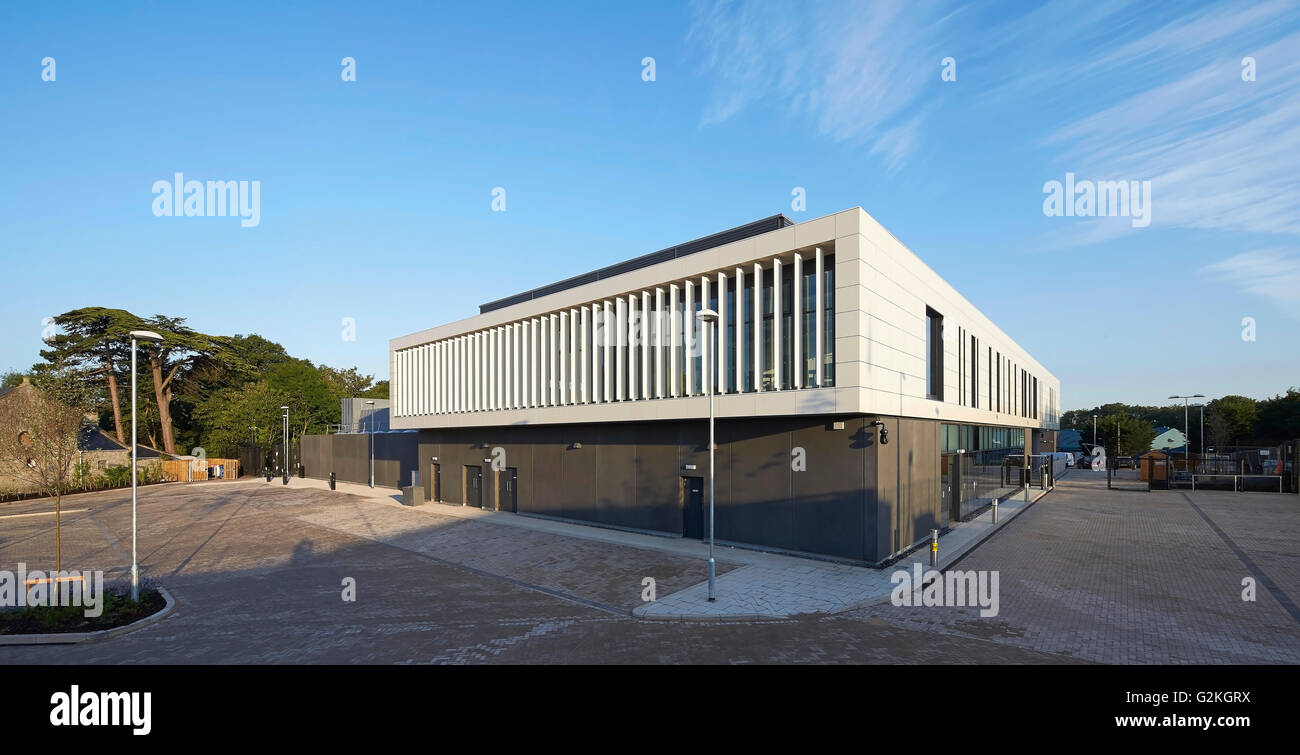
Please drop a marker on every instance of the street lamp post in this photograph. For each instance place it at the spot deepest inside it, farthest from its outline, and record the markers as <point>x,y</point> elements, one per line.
<point>1094,429</point>
<point>1202,407</point>
<point>371,404</point>
<point>1187,428</point>
<point>285,462</point>
<point>710,319</point>
<point>147,336</point>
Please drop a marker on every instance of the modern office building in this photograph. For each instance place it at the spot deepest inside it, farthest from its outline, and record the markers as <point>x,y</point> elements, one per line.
<point>845,368</point>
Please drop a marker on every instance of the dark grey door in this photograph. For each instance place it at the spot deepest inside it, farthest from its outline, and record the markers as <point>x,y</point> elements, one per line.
<point>509,490</point>
<point>693,507</point>
<point>436,474</point>
<point>474,486</point>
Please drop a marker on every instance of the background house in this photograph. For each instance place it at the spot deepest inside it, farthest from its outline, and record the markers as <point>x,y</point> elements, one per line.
<point>1169,439</point>
<point>96,450</point>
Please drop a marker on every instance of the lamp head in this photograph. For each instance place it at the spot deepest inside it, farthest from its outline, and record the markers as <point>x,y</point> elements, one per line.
<point>148,336</point>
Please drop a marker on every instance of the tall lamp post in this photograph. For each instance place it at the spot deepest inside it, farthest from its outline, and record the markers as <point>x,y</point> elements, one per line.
<point>1094,429</point>
<point>710,320</point>
<point>371,404</point>
<point>148,336</point>
<point>1202,408</point>
<point>1187,428</point>
<point>285,463</point>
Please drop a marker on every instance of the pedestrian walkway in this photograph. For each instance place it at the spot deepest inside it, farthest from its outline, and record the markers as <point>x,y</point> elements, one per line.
<point>765,586</point>
<point>803,586</point>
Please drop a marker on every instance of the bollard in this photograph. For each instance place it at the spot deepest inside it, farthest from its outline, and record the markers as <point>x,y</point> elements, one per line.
<point>332,481</point>
<point>934,547</point>
<point>995,511</point>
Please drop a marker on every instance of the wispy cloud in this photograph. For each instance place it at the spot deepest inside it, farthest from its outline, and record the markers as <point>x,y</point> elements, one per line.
<point>1220,152</point>
<point>855,74</point>
<point>1270,273</point>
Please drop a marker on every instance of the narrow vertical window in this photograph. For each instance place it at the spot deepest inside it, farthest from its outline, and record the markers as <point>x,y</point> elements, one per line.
<point>808,325</point>
<point>768,358</point>
<point>729,379</point>
<point>828,322</point>
<point>933,355</point>
<point>787,326</point>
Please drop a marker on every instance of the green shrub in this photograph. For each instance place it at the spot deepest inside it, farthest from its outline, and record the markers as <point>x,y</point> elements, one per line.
<point>118,611</point>
<point>117,476</point>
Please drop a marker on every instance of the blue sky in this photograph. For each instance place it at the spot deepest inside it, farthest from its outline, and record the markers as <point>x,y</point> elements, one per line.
<point>376,194</point>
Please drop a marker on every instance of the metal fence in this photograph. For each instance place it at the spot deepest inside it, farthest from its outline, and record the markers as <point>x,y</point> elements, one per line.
<point>1246,468</point>
<point>1266,469</point>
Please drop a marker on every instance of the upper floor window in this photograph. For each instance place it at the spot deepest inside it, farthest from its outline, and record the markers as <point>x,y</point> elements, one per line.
<point>933,355</point>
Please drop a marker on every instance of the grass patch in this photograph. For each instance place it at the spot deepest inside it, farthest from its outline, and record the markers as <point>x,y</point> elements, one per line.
<point>119,610</point>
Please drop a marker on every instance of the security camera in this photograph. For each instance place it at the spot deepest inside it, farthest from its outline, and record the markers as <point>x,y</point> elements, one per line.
<point>884,436</point>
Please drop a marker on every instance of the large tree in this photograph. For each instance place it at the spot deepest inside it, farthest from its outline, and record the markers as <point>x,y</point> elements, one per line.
<point>1217,432</point>
<point>181,347</point>
<point>349,383</point>
<point>1124,435</point>
<point>1279,417</point>
<point>243,359</point>
<point>96,340</point>
<point>312,406</point>
<point>378,390</point>
<point>232,415</point>
<point>1238,414</point>
<point>229,414</point>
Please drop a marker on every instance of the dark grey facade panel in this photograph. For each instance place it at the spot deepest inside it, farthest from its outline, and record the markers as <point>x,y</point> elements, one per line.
<point>766,225</point>
<point>852,503</point>
<point>347,455</point>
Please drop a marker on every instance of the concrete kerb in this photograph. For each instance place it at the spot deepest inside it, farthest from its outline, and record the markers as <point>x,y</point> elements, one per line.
<point>68,638</point>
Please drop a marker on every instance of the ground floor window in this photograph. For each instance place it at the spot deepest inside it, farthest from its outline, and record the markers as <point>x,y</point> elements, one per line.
<point>980,438</point>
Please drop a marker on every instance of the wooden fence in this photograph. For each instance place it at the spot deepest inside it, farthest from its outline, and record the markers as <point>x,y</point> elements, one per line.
<point>187,470</point>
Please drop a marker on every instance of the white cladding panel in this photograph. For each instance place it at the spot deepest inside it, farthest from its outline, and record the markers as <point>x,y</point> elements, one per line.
<point>628,347</point>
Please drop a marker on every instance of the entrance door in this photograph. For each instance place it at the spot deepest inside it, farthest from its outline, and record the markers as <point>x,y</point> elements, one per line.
<point>436,473</point>
<point>508,490</point>
<point>693,507</point>
<point>474,486</point>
